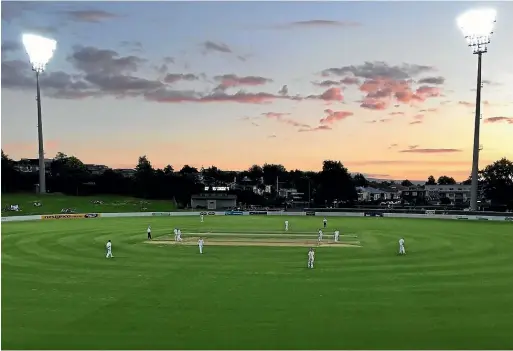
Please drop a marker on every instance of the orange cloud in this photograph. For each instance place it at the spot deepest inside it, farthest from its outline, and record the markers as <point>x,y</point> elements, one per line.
<point>416,122</point>
<point>324,127</point>
<point>430,151</point>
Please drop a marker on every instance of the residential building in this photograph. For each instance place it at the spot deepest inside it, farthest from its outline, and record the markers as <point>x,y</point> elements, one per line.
<point>96,169</point>
<point>374,194</point>
<point>414,194</point>
<point>457,193</point>
<point>125,172</point>
<point>31,165</point>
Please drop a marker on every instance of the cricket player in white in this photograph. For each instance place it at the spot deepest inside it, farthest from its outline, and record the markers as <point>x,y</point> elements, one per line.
<point>325,222</point>
<point>320,235</point>
<point>311,258</point>
<point>337,233</point>
<point>286,226</point>
<point>149,232</point>
<point>200,245</point>
<point>176,233</point>
<point>109,249</point>
<point>402,251</point>
<point>179,235</point>
<point>201,218</point>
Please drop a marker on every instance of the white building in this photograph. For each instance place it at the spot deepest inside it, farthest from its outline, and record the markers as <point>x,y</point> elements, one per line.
<point>457,193</point>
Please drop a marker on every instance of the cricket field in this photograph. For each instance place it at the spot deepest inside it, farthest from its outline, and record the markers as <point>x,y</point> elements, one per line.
<point>251,289</point>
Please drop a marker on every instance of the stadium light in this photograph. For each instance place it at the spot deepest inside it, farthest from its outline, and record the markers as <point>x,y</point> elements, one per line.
<point>477,27</point>
<point>40,51</point>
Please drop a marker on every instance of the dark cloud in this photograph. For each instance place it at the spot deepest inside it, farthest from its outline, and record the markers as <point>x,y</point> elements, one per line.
<point>175,77</point>
<point>374,104</point>
<point>90,16</point>
<point>320,23</point>
<point>432,80</point>
<point>232,80</point>
<point>91,60</point>
<point>12,10</point>
<point>173,96</point>
<point>209,46</point>
<point>9,46</point>
<point>284,90</point>
<point>379,69</point>
<point>416,122</point>
<point>430,151</point>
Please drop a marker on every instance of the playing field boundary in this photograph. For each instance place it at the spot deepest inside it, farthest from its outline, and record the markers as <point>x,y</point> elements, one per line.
<point>371,215</point>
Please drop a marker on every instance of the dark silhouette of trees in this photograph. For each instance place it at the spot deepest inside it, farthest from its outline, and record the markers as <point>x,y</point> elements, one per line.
<point>431,180</point>
<point>406,182</point>
<point>331,186</point>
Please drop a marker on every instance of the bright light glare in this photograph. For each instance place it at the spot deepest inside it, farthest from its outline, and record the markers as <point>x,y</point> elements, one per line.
<point>477,26</point>
<point>39,49</point>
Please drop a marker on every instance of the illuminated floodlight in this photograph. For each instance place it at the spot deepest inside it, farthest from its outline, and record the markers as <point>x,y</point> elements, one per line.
<point>39,49</point>
<point>477,27</point>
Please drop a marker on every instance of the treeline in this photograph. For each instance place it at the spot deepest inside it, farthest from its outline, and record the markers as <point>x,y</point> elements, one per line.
<point>333,184</point>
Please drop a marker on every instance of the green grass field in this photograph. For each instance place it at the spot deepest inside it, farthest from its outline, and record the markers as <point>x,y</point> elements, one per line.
<point>54,203</point>
<point>453,289</point>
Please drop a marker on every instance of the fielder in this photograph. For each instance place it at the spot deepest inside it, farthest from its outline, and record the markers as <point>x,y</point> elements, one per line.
<point>176,233</point>
<point>149,232</point>
<point>200,245</point>
<point>402,251</point>
<point>109,249</point>
<point>179,235</point>
<point>325,222</point>
<point>320,235</point>
<point>201,218</point>
<point>311,258</point>
<point>337,234</point>
<point>286,226</point>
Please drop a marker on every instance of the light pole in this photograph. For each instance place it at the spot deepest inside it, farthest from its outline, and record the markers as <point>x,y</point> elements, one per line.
<point>40,51</point>
<point>477,27</point>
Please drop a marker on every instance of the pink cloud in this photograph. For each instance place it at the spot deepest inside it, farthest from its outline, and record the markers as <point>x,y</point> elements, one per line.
<point>374,104</point>
<point>280,117</point>
<point>508,120</point>
<point>334,116</point>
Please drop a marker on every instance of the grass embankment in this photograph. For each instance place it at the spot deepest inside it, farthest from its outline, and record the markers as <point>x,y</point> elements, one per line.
<point>54,203</point>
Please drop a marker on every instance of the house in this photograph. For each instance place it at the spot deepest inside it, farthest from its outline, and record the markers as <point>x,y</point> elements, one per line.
<point>414,194</point>
<point>374,194</point>
<point>213,201</point>
<point>246,184</point>
<point>457,193</point>
<point>31,165</point>
<point>125,172</point>
<point>96,169</point>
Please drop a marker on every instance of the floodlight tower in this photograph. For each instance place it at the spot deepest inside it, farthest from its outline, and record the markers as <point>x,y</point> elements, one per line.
<point>40,51</point>
<point>477,27</point>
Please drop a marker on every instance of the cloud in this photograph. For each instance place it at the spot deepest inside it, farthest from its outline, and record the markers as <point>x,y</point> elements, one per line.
<point>370,70</point>
<point>12,10</point>
<point>466,103</point>
<point>11,46</point>
<point>210,46</point>
<point>332,94</point>
<point>430,151</point>
<point>416,122</point>
<point>232,80</point>
<point>271,136</point>
<point>334,116</point>
<point>418,117</point>
<point>320,23</point>
<point>344,81</point>
<point>432,80</point>
<point>90,16</point>
<point>176,77</point>
<point>166,95</point>
<point>92,60</point>
<point>508,120</point>
<point>429,110</point>
<point>318,128</point>
<point>385,120</point>
<point>374,104</point>
<point>393,146</point>
<point>397,113</point>
<point>284,90</point>
<point>280,117</point>
<point>489,82</point>
<point>413,147</point>
<point>327,83</point>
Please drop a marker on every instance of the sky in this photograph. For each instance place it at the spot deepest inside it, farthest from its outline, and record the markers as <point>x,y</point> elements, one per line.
<point>387,88</point>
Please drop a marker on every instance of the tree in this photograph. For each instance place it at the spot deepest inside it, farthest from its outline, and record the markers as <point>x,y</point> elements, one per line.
<point>445,180</point>
<point>406,182</point>
<point>335,183</point>
<point>431,180</point>
<point>168,169</point>
<point>68,174</point>
<point>498,182</point>
<point>273,172</point>
<point>188,170</point>
<point>255,172</point>
<point>144,178</point>
<point>360,180</point>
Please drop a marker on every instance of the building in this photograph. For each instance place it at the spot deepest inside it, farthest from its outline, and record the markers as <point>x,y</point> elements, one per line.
<point>125,172</point>
<point>373,194</point>
<point>456,193</point>
<point>31,165</point>
<point>96,169</point>
<point>414,194</point>
<point>212,201</point>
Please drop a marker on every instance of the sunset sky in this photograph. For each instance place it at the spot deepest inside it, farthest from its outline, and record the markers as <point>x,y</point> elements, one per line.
<point>388,88</point>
